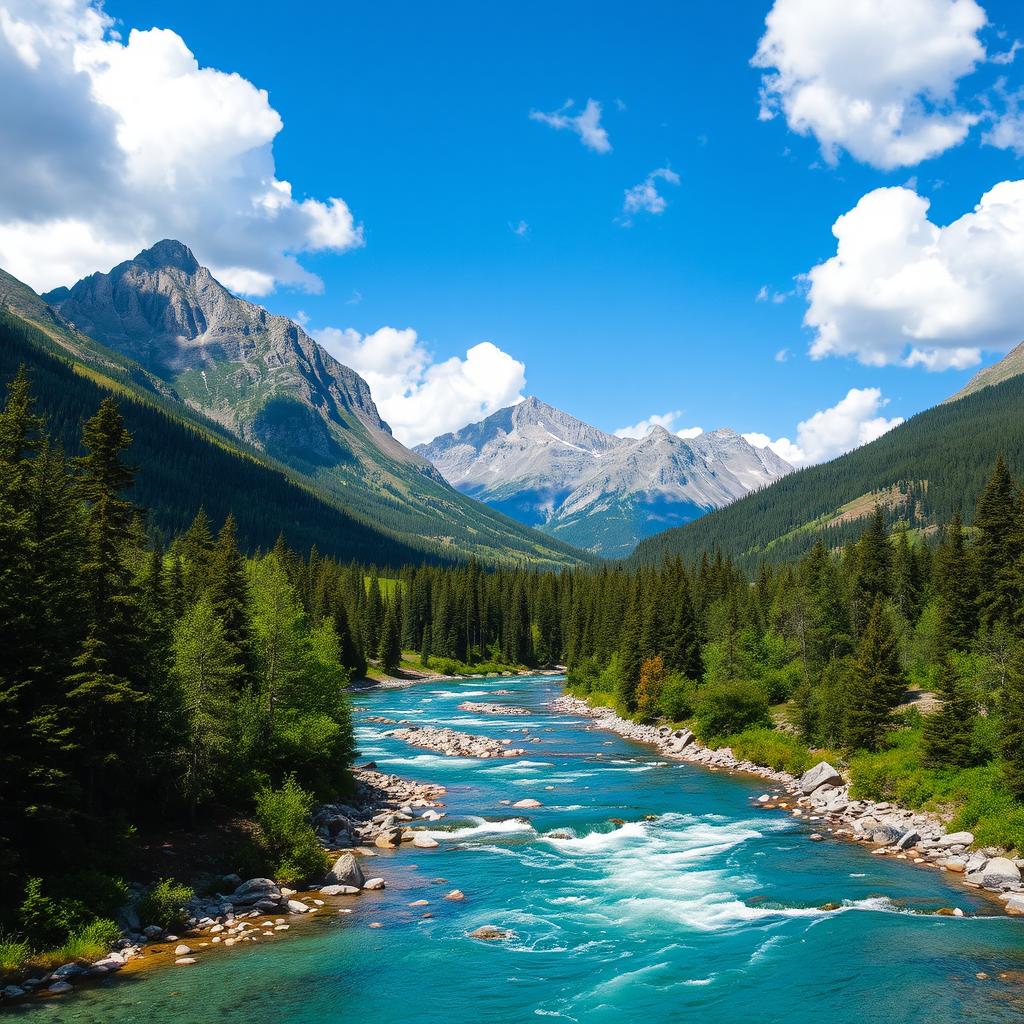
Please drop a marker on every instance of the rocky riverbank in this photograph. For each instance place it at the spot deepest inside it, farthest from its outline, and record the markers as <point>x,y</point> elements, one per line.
<point>821,797</point>
<point>261,909</point>
<point>454,743</point>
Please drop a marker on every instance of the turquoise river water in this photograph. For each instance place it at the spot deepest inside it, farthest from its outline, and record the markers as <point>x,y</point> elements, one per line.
<point>709,911</point>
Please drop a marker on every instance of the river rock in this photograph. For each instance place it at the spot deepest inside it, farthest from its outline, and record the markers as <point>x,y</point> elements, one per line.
<point>908,839</point>
<point>255,890</point>
<point>297,907</point>
<point>59,988</point>
<point>71,970</point>
<point>186,961</point>
<point>996,873</point>
<point>952,839</point>
<point>346,871</point>
<point>455,895</point>
<point>182,950</point>
<point>424,842</point>
<point>528,802</point>
<point>1015,904</point>
<point>374,883</point>
<point>338,890</point>
<point>13,992</point>
<point>822,774</point>
<point>491,933</point>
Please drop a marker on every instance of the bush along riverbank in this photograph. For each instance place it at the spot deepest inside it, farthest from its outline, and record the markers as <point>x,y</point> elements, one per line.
<point>320,855</point>
<point>821,796</point>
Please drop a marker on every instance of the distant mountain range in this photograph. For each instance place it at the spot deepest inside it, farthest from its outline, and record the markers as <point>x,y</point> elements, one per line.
<point>594,490</point>
<point>919,473</point>
<point>165,328</point>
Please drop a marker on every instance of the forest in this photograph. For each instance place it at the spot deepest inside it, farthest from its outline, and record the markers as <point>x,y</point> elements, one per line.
<point>151,679</point>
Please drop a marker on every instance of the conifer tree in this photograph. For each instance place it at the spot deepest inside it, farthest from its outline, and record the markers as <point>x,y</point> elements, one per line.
<point>953,581</point>
<point>876,683</point>
<point>998,547</point>
<point>873,574</point>
<point>204,671</point>
<point>228,591</point>
<point>390,640</point>
<point>949,732</point>
<point>1012,725</point>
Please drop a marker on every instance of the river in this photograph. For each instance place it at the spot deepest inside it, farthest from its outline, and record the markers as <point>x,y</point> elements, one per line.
<point>699,907</point>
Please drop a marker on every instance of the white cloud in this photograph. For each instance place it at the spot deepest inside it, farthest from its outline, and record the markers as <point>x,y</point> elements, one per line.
<point>765,294</point>
<point>666,420</point>
<point>586,124</point>
<point>782,356</point>
<point>521,229</point>
<point>645,197</point>
<point>873,77</point>
<point>901,289</point>
<point>418,397</point>
<point>121,143</point>
<point>848,424</point>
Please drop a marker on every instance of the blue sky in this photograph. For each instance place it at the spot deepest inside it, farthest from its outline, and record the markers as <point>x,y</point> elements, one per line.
<point>418,117</point>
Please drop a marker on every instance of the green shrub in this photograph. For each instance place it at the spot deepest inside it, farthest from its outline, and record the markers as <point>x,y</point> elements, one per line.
<point>779,750</point>
<point>47,921</point>
<point>164,904</point>
<point>677,698</point>
<point>13,954</point>
<point>722,709</point>
<point>289,841</point>
<point>90,942</point>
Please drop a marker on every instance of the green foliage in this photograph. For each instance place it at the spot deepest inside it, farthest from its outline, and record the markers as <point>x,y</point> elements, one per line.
<point>678,698</point>
<point>14,953</point>
<point>47,921</point>
<point>941,458</point>
<point>288,839</point>
<point>164,904</point>
<point>88,943</point>
<point>725,708</point>
<point>779,750</point>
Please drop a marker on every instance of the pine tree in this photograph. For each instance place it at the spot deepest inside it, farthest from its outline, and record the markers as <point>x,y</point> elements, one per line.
<point>390,640</point>
<point>948,732</point>
<point>876,683</point>
<point>873,576</point>
<point>426,648</point>
<point>204,671</point>
<point>228,591</point>
<point>1012,725</point>
<point>630,657</point>
<point>953,581</point>
<point>373,617</point>
<point>997,548</point>
<point>195,548</point>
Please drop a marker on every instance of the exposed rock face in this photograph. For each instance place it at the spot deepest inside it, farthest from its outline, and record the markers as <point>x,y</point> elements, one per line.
<point>551,470</point>
<point>263,378</point>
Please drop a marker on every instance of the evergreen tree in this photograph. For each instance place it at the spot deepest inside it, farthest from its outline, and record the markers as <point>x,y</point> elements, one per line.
<point>1012,726</point>
<point>954,583</point>
<point>204,671</point>
<point>390,640</point>
<point>873,575</point>
<point>228,591</point>
<point>949,732</point>
<point>876,684</point>
<point>997,547</point>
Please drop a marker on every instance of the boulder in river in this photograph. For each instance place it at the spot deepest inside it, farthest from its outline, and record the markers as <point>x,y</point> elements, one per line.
<point>491,933</point>
<point>424,842</point>
<point>997,872</point>
<point>374,883</point>
<point>822,774</point>
<point>339,890</point>
<point>528,802</point>
<point>346,871</point>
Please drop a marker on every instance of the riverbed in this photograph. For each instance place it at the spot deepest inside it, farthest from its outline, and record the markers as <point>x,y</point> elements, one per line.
<point>642,890</point>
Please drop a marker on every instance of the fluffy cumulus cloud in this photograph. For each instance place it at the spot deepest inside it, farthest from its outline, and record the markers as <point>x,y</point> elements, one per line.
<point>901,289</point>
<point>645,197</point>
<point>421,398</point>
<point>586,124</point>
<point>853,421</point>
<point>873,77</point>
<point>120,143</point>
<point>667,420</point>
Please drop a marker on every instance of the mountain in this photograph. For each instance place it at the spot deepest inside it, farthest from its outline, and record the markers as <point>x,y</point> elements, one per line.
<point>1011,365</point>
<point>592,489</point>
<point>919,473</point>
<point>165,324</point>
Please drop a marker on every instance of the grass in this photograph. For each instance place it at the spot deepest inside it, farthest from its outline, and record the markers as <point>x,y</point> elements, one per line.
<point>85,945</point>
<point>13,954</point>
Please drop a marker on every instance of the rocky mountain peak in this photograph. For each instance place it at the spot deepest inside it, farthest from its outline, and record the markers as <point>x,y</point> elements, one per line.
<point>167,254</point>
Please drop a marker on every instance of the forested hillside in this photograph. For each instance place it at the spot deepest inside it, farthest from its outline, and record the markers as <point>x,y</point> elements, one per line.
<point>182,468</point>
<point>938,460</point>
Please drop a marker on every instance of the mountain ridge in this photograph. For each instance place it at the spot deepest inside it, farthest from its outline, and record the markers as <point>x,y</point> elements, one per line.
<point>591,488</point>
<point>168,323</point>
